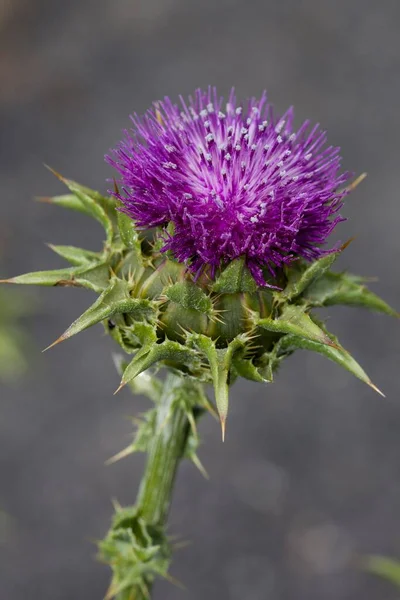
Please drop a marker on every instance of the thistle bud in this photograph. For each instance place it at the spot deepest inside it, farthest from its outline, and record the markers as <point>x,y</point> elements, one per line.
<point>212,262</point>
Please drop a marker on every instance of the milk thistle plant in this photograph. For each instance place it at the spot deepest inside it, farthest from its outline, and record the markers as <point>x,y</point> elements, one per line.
<point>213,262</point>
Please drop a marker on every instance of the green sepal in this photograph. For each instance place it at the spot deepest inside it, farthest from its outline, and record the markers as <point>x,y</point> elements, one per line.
<point>146,384</point>
<point>128,232</point>
<point>93,277</point>
<point>114,300</point>
<point>246,368</point>
<point>294,320</point>
<point>337,354</point>
<point>189,295</point>
<point>93,204</point>
<point>220,360</point>
<point>343,288</point>
<point>235,278</point>
<point>173,353</point>
<point>300,275</point>
<point>76,256</point>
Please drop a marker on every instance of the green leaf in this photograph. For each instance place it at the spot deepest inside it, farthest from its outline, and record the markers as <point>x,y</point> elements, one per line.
<point>301,275</point>
<point>69,201</point>
<point>76,256</point>
<point>93,277</point>
<point>384,567</point>
<point>235,278</point>
<point>128,232</point>
<point>189,295</point>
<point>220,360</point>
<point>114,299</point>
<point>246,368</point>
<point>173,352</point>
<point>90,200</point>
<point>296,321</point>
<point>337,354</point>
<point>343,288</point>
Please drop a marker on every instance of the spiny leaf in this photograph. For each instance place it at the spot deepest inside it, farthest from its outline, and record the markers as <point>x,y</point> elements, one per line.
<point>220,363</point>
<point>75,256</point>
<point>153,353</point>
<point>94,277</point>
<point>300,276</point>
<point>246,368</point>
<point>343,288</point>
<point>296,321</point>
<point>91,201</point>
<point>337,354</point>
<point>146,383</point>
<point>114,299</point>
<point>235,278</point>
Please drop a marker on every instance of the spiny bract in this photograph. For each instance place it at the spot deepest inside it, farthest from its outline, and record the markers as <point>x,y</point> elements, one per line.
<point>214,329</point>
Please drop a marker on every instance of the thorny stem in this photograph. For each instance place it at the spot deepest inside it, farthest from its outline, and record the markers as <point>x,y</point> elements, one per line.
<point>167,448</point>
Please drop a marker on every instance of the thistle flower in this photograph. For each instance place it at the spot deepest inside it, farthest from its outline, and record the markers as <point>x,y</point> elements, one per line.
<point>235,194</point>
<point>233,181</point>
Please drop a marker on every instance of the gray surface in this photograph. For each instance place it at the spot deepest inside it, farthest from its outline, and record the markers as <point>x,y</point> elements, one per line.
<point>309,476</point>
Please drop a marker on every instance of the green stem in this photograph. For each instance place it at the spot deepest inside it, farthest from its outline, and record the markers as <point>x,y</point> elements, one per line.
<point>172,427</point>
<point>166,450</point>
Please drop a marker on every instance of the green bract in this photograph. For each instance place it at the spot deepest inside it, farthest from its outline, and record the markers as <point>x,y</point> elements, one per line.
<point>209,330</point>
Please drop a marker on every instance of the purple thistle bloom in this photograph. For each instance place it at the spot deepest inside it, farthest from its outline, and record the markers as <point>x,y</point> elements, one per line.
<point>232,180</point>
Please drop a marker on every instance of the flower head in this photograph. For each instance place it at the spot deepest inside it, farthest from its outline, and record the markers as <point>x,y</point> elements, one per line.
<point>232,180</point>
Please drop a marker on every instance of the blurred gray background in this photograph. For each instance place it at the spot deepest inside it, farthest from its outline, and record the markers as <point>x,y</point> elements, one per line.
<point>309,477</point>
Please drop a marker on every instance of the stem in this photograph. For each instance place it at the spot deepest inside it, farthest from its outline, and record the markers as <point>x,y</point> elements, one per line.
<point>172,427</point>
<point>166,450</point>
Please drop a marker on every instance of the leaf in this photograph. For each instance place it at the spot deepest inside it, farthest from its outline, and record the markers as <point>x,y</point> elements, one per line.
<point>114,299</point>
<point>247,369</point>
<point>174,352</point>
<point>92,202</point>
<point>296,321</point>
<point>75,256</point>
<point>145,384</point>
<point>220,363</point>
<point>300,276</point>
<point>384,567</point>
<point>337,354</point>
<point>236,277</point>
<point>343,288</point>
<point>93,277</point>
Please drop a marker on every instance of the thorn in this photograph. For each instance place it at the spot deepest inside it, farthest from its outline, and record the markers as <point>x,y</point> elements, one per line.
<point>116,505</point>
<point>60,177</point>
<point>44,199</point>
<point>183,544</point>
<point>374,387</point>
<point>11,280</point>
<point>119,388</point>
<point>197,463</point>
<point>123,454</point>
<point>222,420</point>
<point>173,580</point>
<point>62,338</point>
<point>346,244</point>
